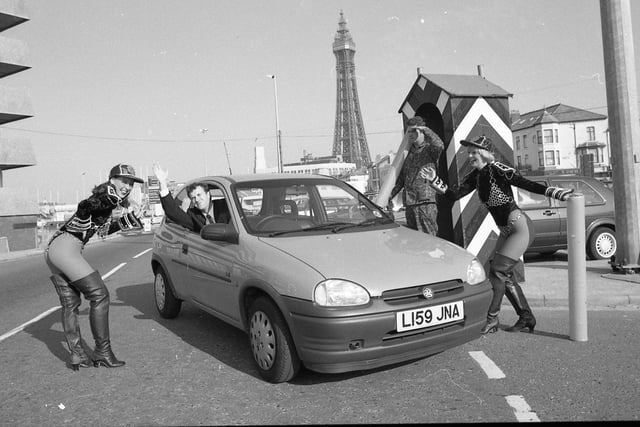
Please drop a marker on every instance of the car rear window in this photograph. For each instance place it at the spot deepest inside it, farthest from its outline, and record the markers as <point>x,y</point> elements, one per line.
<point>591,196</point>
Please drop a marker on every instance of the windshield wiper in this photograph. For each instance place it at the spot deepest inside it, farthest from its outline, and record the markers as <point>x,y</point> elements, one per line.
<point>329,225</point>
<point>365,223</point>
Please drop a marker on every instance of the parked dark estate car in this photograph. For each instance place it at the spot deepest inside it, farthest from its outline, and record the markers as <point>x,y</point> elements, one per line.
<point>549,216</point>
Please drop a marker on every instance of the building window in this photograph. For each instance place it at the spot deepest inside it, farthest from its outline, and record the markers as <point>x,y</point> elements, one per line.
<point>591,133</point>
<point>558,157</point>
<point>540,158</point>
<point>524,141</point>
<point>555,131</point>
<point>549,159</point>
<point>517,142</point>
<point>539,137</point>
<point>526,159</point>
<point>519,162</point>
<point>548,136</point>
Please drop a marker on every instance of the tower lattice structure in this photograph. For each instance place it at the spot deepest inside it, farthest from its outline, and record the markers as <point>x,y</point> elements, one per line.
<point>349,139</point>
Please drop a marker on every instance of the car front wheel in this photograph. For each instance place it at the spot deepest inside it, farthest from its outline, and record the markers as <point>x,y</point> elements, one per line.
<point>271,342</point>
<point>166,302</point>
<point>602,243</point>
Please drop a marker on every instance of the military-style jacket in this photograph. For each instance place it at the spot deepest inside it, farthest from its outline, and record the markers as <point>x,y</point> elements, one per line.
<point>493,183</point>
<point>94,215</point>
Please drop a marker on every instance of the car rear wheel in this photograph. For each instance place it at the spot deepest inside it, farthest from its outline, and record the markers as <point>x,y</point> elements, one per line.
<point>271,342</point>
<point>166,302</point>
<point>602,243</point>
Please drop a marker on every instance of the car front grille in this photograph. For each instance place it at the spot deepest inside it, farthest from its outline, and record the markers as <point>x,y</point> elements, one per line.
<point>414,293</point>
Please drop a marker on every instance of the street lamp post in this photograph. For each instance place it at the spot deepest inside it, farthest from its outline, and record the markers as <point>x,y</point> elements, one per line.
<point>278,140</point>
<point>204,152</point>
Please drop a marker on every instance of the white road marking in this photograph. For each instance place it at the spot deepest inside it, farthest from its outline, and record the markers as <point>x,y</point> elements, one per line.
<point>487,365</point>
<point>113,270</point>
<point>24,325</point>
<point>522,409</point>
<point>51,310</point>
<point>142,253</point>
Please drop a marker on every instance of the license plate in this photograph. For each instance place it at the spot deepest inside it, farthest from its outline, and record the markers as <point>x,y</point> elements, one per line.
<point>429,316</point>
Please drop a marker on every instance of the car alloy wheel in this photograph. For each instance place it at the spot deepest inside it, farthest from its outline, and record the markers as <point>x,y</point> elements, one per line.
<point>271,342</point>
<point>263,340</point>
<point>166,302</point>
<point>602,244</point>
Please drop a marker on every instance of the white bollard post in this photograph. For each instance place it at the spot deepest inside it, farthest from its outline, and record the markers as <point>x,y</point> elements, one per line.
<point>577,268</point>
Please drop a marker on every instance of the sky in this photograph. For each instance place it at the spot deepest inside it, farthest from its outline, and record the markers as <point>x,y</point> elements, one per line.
<point>138,81</point>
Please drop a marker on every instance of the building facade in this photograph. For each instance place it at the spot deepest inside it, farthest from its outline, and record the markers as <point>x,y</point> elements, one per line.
<point>19,208</point>
<point>561,139</point>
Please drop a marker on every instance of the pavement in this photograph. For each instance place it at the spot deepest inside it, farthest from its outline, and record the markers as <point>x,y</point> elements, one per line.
<point>546,282</point>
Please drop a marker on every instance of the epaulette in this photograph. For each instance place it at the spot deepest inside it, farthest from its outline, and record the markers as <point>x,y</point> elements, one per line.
<point>504,170</point>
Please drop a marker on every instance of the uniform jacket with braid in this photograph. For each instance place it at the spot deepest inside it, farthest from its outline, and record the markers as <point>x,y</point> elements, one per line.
<point>93,214</point>
<point>493,183</point>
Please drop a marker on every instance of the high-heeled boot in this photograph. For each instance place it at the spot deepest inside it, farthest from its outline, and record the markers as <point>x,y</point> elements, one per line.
<point>70,302</point>
<point>94,290</point>
<point>499,273</point>
<point>526,319</point>
<point>491,326</point>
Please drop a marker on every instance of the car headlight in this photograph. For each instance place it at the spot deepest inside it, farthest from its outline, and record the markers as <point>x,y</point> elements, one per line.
<point>339,293</point>
<point>475,272</point>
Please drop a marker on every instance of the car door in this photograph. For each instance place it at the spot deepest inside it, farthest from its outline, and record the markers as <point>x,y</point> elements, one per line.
<point>543,212</point>
<point>592,199</point>
<point>210,267</point>
<point>171,238</point>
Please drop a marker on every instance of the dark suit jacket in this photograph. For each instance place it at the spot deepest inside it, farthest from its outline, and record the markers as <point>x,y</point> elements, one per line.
<point>193,219</point>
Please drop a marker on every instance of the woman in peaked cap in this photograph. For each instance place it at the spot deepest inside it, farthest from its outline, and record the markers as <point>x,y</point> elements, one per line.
<point>493,181</point>
<point>71,273</point>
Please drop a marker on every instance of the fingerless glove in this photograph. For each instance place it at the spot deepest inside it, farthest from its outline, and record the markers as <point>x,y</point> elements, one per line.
<point>438,185</point>
<point>561,194</point>
<point>128,222</point>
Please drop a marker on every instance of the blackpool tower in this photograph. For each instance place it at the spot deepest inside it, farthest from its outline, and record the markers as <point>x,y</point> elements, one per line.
<point>349,139</point>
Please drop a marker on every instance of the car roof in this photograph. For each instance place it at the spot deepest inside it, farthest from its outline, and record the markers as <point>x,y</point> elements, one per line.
<point>235,179</point>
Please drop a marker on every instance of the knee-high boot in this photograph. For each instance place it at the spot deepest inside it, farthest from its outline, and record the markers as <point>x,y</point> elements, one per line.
<point>70,302</point>
<point>516,297</point>
<point>500,274</point>
<point>94,290</point>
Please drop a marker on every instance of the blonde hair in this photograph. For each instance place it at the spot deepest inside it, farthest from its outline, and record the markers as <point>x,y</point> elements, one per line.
<point>486,155</point>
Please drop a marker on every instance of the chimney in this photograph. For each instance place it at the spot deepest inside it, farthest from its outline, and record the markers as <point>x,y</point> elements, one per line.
<point>481,70</point>
<point>419,70</point>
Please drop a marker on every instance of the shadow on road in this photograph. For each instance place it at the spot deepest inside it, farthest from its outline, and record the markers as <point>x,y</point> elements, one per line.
<point>224,342</point>
<point>55,341</point>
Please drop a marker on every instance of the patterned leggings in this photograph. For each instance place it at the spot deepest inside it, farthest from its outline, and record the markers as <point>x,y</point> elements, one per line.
<point>423,218</point>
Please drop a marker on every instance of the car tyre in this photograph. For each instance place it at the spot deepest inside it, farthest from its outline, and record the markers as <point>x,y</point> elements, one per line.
<point>602,243</point>
<point>166,302</point>
<point>271,342</point>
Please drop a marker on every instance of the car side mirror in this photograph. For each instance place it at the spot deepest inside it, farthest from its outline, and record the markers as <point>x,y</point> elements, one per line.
<point>219,233</point>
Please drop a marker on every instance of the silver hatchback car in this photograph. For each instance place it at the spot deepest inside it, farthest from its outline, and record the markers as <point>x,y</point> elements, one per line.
<point>319,276</point>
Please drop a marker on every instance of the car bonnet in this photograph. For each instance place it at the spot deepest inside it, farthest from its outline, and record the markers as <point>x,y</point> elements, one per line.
<point>379,259</point>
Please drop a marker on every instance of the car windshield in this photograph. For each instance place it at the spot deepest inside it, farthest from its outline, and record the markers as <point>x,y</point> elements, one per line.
<point>294,206</point>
